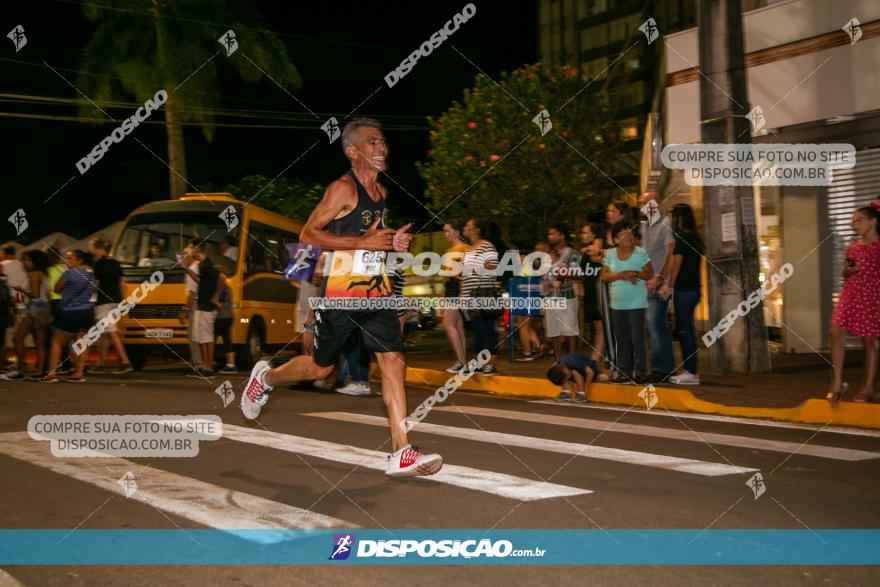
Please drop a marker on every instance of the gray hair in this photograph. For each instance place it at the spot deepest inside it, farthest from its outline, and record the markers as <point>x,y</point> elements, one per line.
<point>350,131</point>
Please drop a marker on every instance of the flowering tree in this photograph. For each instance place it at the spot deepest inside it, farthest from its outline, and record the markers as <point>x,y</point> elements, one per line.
<point>489,159</point>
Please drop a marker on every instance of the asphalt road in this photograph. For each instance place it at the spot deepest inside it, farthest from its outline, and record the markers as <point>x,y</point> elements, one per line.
<point>543,465</point>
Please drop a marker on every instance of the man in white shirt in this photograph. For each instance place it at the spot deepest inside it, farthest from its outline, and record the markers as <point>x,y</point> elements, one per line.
<point>658,240</point>
<point>16,277</point>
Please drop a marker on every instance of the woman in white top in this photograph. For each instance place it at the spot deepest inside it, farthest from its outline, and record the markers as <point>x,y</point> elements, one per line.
<point>38,315</point>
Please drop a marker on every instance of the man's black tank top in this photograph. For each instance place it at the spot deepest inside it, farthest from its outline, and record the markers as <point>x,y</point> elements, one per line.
<point>351,283</point>
<point>365,212</point>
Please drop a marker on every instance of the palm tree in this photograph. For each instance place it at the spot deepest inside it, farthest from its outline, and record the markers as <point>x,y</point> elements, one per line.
<point>147,45</point>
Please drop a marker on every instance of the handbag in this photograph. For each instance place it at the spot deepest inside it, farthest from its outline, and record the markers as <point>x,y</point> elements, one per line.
<point>487,291</point>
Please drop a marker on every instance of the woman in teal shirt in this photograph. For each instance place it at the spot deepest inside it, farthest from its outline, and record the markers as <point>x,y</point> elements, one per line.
<point>626,267</point>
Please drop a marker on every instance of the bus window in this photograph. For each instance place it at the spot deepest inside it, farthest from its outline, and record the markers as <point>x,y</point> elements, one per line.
<point>276,241</point>
<point>258,255</point>
<point>286,238</point>
<point>156,239</point>
<point>267,248</point>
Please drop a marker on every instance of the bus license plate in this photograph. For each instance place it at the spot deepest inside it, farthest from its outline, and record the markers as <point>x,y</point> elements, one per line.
<point>159,333</point>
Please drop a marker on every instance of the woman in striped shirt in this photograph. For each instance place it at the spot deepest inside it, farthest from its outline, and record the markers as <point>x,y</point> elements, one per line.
<point>480,262</point>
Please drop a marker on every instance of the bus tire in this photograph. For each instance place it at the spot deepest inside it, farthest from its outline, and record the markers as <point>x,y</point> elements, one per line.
<point>250,352</point>
<point>137,357</point>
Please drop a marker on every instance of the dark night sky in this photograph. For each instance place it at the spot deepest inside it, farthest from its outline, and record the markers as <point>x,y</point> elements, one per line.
<point>342,50</point>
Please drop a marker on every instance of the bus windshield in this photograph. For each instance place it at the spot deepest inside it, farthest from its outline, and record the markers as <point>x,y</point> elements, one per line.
<point>157,239</point>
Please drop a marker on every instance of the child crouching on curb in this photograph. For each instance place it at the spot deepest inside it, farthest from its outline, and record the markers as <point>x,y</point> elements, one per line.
<point>575,369</point>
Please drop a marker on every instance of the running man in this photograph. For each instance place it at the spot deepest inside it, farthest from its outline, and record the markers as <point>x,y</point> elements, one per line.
<point>351,218</point>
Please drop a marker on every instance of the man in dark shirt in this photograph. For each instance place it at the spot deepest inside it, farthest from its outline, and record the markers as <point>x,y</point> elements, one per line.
<point>109,286</point>
<point>684,281</point>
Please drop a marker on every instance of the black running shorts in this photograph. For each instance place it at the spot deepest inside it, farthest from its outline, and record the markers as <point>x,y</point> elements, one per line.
<point>379,331</point>
<point>74,321</point>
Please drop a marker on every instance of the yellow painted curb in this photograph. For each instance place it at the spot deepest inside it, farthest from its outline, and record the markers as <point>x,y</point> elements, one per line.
<point>811,411</point>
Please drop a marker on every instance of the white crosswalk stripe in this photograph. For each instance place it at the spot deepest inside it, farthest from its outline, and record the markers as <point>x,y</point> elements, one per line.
<point>845,430</point>
<point>828,452</point>
<point>500,484</point>
<point>570,448</point>
<point>198,501</point>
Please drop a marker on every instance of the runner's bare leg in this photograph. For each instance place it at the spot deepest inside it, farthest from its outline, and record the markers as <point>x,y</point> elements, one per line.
<point>394,395</point>
<point>299,368</point>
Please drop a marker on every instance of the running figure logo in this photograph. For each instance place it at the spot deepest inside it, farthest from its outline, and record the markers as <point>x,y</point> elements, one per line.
<point>225,392</point>
<point>543,121</point>
<point>302,261</point>
<point>756,117</point>
<point>128,484</point>
<point>652,212</point>
<point>331,127</point>
<point>853,29</point>
<point>302,258</point>
<point>18,39</point>
<point>229,217</point>
<point>649,395</point>
<point>342,545</point>
<point>19,221</point>
<point>649,27</point>
<point>229,42</point>
<point>757,484</point>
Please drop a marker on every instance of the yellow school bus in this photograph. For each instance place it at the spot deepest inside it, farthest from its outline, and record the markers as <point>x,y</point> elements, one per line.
<point>263,300</point>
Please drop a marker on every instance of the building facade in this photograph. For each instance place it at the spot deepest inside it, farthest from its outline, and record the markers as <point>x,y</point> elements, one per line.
<point>814,85</point>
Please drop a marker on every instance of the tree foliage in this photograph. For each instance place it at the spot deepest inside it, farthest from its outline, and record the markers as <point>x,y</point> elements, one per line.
<point>291,197</point>
<point>488,159</point>
<point>142,46</point>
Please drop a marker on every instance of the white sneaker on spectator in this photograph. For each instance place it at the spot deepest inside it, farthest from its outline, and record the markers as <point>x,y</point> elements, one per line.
<point>455,368</point>
<point>685,378</point>
<point>354,388</point>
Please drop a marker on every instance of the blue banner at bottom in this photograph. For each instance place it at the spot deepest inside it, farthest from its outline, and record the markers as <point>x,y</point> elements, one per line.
<point>441,547</point>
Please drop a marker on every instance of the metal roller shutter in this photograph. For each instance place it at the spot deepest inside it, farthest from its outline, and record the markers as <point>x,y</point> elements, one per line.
<point>850,189</point>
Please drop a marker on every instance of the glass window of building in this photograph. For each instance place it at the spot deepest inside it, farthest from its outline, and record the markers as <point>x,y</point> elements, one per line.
<point>596,67</point>
<point>591,7</point>
<point>629,128</point>
<point>617,30</point>
<point>628,95</point>
<point>594,37</point>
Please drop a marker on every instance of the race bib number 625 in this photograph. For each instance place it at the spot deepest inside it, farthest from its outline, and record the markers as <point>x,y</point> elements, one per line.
<point>368,262</point>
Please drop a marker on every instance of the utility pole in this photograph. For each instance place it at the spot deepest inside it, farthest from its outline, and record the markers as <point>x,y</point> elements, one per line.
<point>732,244</point>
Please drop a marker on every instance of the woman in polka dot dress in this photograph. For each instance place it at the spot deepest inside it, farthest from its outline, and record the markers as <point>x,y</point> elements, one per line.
<point>858,309</point>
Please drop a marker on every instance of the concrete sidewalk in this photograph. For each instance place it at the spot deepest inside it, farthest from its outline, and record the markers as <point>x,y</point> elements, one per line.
<point>794,392</point>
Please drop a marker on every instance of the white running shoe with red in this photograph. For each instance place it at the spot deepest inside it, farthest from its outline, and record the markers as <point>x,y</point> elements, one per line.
<point>256,391</point>
<point>410,462</point>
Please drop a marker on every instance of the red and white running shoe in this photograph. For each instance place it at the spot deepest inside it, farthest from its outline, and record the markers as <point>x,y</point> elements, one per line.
<point>410,462</point>
<point>256,392</point>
